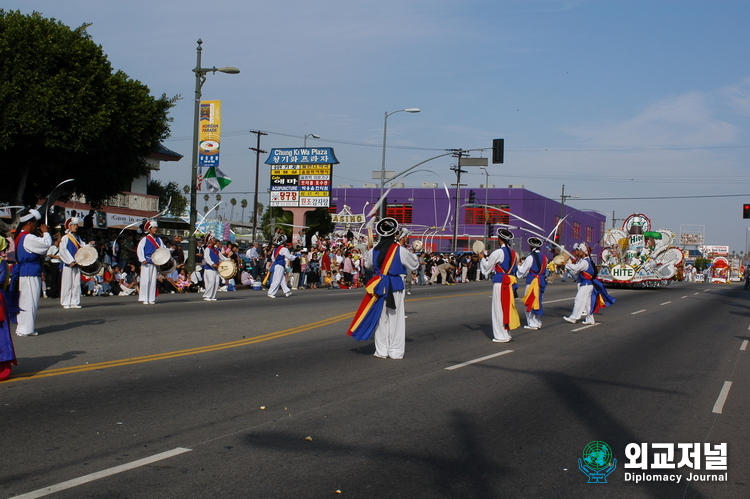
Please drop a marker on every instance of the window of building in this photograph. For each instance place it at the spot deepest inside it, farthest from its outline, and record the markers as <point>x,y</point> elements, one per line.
<point>589,234</point>
<point>476,215</point>
<point>576,230</point>
<point>401,212</point>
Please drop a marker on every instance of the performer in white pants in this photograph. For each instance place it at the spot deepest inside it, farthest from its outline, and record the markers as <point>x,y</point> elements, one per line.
<point>146,248</point>
<point>70,289</point>
<point>534,269</point>
<point>26,276</point>
<point>211,258</point>
<point>582,303</point>
<point>281,255</point>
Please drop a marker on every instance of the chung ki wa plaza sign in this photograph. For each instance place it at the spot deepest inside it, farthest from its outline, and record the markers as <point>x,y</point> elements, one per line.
<point>301,178</point>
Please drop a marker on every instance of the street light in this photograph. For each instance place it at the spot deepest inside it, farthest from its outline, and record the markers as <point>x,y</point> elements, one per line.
<point>382,166</point>
<point>304,144</point>
<point>200,79</point>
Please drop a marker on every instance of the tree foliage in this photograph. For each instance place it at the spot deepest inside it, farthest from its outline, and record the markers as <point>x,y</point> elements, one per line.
<point>65,113</point>
<point>178,206</point>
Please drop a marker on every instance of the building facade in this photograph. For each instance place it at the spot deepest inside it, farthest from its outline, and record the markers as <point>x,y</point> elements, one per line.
<point>429,212</point>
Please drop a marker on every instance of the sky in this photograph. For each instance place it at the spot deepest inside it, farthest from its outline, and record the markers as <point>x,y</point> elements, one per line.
<point>634,106</point>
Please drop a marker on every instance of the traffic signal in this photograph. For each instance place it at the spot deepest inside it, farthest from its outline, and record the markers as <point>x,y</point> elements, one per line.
<point>746,210</point>
<point>472,194</point>
<point>498,150</point>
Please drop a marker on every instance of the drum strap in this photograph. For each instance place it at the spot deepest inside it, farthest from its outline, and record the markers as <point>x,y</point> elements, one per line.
<point>153,241</point>
<point>74,240</point>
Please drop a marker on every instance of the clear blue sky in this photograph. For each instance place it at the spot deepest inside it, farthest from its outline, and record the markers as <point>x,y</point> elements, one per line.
<point>615,99</point>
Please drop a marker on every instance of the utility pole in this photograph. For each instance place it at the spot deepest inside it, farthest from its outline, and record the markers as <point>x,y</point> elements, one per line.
<point>258,152</point>
<point>563,197</point>
<point>457,153</point>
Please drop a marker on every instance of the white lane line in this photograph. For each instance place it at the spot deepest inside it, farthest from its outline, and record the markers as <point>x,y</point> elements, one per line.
<point>695,294</point>
<point>561,299</point>
<point>719,405</point>
<point>637,312</point>
<point>101,474</point>
<point>744,345</point>
<point>748,328</point>
<point>584,327</point>
<point>685,296</point>
<point>666,303</point>
<point>464,364</point>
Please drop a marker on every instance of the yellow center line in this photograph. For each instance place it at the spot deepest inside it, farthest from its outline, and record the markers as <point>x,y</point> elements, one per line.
<point>205,349</point>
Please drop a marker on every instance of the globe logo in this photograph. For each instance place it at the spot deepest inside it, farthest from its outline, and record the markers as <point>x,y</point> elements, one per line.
<point>596,461</point>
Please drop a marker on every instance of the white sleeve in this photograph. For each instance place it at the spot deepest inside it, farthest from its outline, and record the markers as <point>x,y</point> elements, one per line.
<point>523,269</point>
<point>140,249</point>
<point>578,266</point>
<point>409,259</point>
<point>487,264</point>
<point>368,259</point>
<point>36,244</point>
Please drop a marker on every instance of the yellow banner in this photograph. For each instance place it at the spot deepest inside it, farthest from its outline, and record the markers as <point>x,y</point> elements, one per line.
<point>209,135</point>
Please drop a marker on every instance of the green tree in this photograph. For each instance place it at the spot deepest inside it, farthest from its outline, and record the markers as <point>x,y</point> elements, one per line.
<point>233,202</point>
<point>243,204</point>
<point>319,221</point>
<point>281,218</point>
<point>179,203</point>
<point>65,113</point>
<point>206,197</point>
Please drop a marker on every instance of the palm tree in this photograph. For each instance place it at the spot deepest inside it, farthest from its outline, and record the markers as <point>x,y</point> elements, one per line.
<point>233,202</point>
<point>186,189</point>
<point>205,204</point>
<point>243,204</point>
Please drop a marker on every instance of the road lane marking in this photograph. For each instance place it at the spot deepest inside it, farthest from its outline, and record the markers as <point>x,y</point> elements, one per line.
<point>584,327</point>
<point>695,294</point>
<point>181,353</point>
<point>102,474</point>
<point>468,363</point>
<point>685,296</point>
<point>666,303</point>
<point>637,312</point>
<point>205,349</point>
<point>744,345</point>
<point>719,405</point>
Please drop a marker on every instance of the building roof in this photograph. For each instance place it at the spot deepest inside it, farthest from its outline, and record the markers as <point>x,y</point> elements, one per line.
<point>164,154</point>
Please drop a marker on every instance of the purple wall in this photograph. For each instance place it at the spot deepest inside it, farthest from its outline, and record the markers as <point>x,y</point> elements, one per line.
<point>430,207</point>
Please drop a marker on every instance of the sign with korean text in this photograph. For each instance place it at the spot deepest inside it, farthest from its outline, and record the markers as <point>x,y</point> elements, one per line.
<point>301,177</point>
<point>209,134</point>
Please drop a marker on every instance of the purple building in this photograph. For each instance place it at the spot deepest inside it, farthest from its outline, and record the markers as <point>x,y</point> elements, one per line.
<point>428,212</point>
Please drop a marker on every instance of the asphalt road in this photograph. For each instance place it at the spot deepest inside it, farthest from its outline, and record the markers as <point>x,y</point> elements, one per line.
<point>252,397</point>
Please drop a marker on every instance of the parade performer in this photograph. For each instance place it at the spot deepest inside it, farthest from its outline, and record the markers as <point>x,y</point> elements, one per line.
<point>281,255</point>
<point>146,247</point>
<point>591,295</point>
<point>534,269</point>
<point>382,310</point>
<point>7,353</point>
<point>26,276</point>
<point>70,292</point>
<point>211,258</point>
<point>504,261</point>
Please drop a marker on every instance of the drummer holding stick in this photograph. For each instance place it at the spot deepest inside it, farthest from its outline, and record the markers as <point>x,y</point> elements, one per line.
<point>146,248</point>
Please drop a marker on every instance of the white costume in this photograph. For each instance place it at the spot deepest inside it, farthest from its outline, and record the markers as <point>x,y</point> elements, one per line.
<point>278,277</point>
<point>390,335</point>
<point>30,287</point>
<point>211,258</point>
<point>70,289</point>
<point>146,247</point>
<point>582,303</point>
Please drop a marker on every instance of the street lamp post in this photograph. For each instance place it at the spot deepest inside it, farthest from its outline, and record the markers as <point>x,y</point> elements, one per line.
<point>382,166</point>
<point>258,152</point>
<point>200,79</point>
<point>304,144</point>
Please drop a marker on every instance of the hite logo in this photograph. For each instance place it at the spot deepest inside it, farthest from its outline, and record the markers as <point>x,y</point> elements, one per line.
<point>596,462</point>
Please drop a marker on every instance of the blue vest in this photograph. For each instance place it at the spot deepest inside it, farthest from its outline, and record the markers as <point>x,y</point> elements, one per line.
<point>214,257</point>
<point>396,283</point>
<point>508,266</point>
<point>537,270</point>
<point>29,264</point>
<point>587,280</point>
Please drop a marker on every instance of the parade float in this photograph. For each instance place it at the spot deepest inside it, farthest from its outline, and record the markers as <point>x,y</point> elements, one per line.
<point>637,257</point>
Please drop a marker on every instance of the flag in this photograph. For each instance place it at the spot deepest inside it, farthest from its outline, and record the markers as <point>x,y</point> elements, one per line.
<point>215,179</point>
